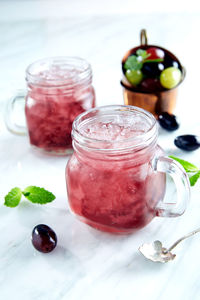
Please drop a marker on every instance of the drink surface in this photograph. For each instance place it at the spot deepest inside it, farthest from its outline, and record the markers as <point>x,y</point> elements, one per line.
<point>52,104</point>
<point>115,193</point>
<point>115,131</point>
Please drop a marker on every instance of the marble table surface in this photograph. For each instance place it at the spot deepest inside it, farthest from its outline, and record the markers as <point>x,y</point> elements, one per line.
<point>88,264</point>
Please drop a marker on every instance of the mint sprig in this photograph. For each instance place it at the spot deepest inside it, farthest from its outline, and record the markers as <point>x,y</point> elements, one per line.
<point>146,57</point>
<point>133,63</point>
<point>32,193</point>
<point>143,53</point>
<point>192,170</point>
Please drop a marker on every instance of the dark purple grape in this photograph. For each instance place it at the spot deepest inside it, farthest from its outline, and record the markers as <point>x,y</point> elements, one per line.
<point>152,69</point>
<point>187,142</point>
<point>44,238</point>
<point>168,121</point>
<point>150,85</point>
<point>170,62</point>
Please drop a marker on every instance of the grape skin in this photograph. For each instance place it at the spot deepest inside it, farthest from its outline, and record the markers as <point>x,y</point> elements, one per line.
<point>187,142</point>
<point>44,239</point>
<point>168,121</point>
<point>170,77</point>
<point>134,76</point>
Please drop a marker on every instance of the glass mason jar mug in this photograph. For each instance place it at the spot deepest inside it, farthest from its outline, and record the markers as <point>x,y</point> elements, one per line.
<point>116,177</point>
<point>58,89</point>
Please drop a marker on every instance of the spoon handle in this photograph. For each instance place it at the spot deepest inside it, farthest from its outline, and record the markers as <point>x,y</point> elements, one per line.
<point>183,238</point>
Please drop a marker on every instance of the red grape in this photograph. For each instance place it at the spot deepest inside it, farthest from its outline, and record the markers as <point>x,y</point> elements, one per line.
<point>44,238</point>
<point>155,53</point>
<point>150,85</point>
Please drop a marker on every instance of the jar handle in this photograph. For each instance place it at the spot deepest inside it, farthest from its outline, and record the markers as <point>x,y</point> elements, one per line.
<point>14,108</point>
<point>143,37</point>
<point>176,171</point>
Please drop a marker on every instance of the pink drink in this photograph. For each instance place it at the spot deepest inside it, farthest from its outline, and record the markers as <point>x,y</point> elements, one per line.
<point>59,90</point>
<point>112,186</point>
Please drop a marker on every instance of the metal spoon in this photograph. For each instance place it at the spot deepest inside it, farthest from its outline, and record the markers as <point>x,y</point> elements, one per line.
<point>157,253</point>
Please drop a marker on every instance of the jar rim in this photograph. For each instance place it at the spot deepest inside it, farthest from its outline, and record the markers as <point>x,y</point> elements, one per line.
<point>135,142</point>
<point>74,71</point>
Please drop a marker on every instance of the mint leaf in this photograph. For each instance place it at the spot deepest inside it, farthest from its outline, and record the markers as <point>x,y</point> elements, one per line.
<point>132,63</point>
<point>194,178</point>
<point>13,198</point>
<point>38,195</point>
<point>185,164</point>
<point>143,53</point>
<point>189,168</point>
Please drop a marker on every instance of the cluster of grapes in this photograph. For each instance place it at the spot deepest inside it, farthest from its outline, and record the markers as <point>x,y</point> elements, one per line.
<point>152,70</point>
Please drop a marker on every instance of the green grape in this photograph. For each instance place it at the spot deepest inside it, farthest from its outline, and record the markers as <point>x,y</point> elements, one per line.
<point>134,76</point>
<point>170,77</point>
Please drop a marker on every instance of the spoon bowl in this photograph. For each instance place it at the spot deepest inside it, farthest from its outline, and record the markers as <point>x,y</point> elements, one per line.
<point>157,253</point>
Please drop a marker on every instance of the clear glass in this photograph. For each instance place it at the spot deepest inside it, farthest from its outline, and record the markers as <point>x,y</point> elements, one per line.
<point>116,177</point>
<point>58,89</point>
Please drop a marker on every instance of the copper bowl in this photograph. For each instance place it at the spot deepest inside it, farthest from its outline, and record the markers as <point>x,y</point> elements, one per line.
<point>155,102</point>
